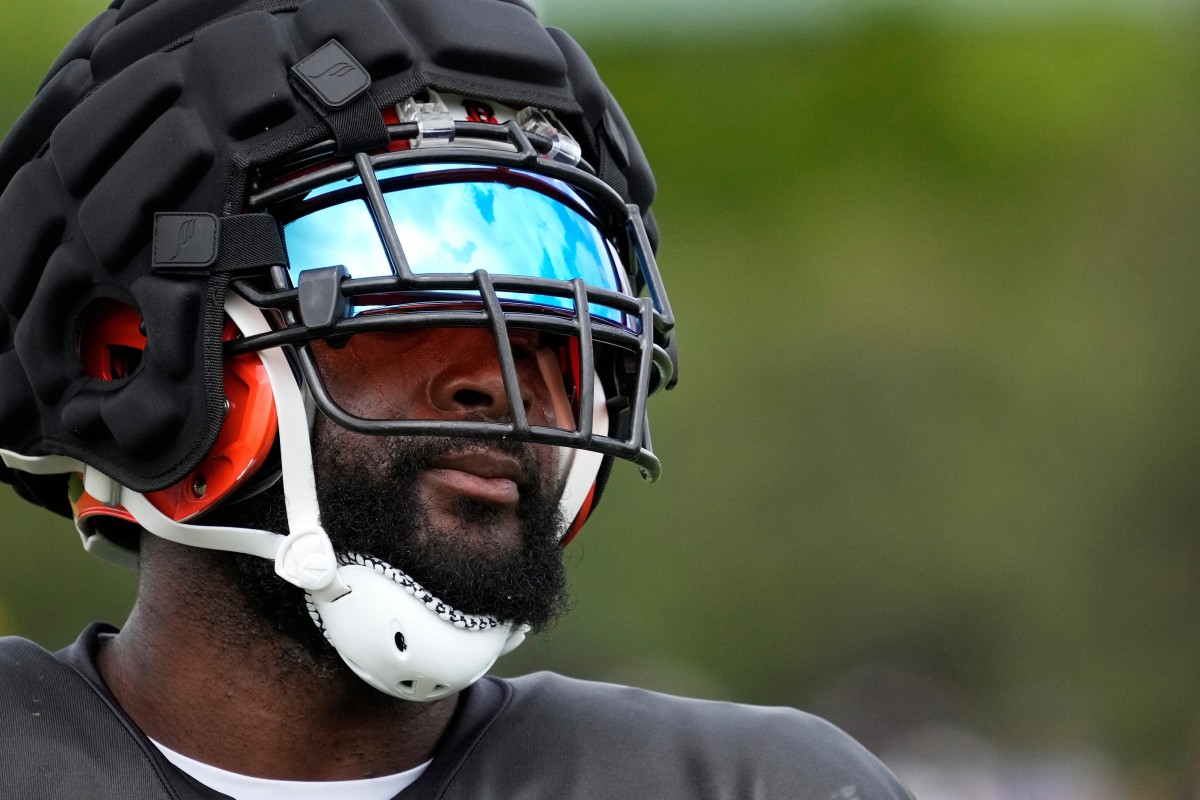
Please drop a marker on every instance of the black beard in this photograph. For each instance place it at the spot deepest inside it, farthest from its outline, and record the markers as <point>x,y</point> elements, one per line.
<point>374,509</point>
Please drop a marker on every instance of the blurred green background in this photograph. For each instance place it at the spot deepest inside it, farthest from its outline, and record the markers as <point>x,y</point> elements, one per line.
<point>933,461</point>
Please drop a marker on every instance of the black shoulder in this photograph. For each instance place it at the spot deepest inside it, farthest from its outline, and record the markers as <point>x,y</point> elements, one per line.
<point>637,743</point>
<point>20,657</point>
<point>60,738</point>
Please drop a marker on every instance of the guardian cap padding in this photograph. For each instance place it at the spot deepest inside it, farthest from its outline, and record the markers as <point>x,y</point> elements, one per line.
<point>166,106</point>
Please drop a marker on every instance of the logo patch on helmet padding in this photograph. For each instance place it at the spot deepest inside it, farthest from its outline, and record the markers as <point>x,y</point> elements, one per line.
<point>184,240</point>
<point>333,75</point>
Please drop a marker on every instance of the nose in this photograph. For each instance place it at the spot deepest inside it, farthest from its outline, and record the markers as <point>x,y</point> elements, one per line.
<point>470,382</point>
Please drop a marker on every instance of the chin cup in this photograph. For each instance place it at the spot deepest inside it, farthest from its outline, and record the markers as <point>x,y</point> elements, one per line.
<point>403,641</point>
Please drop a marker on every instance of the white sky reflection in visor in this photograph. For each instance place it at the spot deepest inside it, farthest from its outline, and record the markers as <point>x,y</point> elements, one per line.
<point>500,220</point>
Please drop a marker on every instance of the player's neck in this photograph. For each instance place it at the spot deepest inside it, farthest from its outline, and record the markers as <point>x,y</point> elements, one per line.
<point>212,681</point>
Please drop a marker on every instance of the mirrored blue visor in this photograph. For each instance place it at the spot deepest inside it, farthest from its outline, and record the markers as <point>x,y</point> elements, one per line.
<point>456,219</point>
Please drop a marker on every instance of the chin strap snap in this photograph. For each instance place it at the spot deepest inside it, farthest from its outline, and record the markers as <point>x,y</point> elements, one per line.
<point>306,559</point>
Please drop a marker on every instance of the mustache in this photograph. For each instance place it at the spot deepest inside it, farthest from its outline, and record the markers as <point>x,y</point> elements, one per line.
<point>400,460</point>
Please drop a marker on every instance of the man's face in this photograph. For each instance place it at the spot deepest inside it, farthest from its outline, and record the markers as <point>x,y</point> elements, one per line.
<point>472,490</point>
<point>474,521</point>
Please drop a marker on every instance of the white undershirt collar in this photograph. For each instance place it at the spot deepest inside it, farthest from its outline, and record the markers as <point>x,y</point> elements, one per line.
<point>245,787</point>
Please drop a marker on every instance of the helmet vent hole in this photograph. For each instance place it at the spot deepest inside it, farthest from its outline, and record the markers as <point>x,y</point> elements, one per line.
<point>406,684</point>
<point>402,645</point>
<point>122,361</point>
<point>111,340</point>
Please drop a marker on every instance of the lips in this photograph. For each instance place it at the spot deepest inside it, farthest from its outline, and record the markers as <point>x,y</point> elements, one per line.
<point>487,475</point>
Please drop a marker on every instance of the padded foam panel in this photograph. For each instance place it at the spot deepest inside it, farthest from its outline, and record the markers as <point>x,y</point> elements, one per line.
<point>145,27</point>
<point>128,8</point>
<point>227,52</point>
<point>18,407</point>
<point>486,37</point>
<point>31,228</point>
<point>33,127</point>
<point>90,139</point>
<point>81,46</point>
<point>45,333</point>
<point>363,27</point>
<point>161,166</point>
<point>163,302</point>
<point>81,415</point>
<point>589,90</point>
<point>139,420</point>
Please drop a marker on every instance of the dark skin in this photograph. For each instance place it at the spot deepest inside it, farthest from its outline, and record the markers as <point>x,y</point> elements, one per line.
<point>201,673</point>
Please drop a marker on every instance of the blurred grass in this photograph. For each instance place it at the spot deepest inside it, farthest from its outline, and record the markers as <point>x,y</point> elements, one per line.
<point>938,299</point>
<point>938,291</point>
<point>33,34</point>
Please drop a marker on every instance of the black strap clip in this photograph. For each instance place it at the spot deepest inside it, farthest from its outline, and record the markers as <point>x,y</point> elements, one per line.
<point>204,244</point>
<point>338,88</point>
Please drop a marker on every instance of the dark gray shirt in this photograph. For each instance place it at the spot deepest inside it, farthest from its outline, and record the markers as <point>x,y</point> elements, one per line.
<point>62,735</point>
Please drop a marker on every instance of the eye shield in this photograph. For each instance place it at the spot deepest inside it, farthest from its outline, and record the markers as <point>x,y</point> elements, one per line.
<point>454,219</point>
<point>470,238</point>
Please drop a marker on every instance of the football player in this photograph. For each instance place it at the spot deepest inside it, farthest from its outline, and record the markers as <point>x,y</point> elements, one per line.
<point>332,317</point>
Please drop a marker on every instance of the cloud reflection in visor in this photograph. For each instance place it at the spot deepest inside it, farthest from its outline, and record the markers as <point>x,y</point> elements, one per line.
<point>500,220</point>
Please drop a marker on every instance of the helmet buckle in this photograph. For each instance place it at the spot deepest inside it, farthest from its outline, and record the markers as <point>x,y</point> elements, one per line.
<point>563,147</point>
<point>306,559</point>
<point>434,120</point>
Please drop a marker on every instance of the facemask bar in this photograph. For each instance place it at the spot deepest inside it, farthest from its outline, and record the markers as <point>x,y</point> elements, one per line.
<point>640,360</point>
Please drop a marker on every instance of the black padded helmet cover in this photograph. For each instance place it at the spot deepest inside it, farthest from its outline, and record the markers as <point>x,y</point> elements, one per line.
<point>165,105</point>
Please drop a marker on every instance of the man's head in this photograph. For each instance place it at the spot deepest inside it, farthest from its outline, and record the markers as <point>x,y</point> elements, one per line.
<point>369,283</point>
